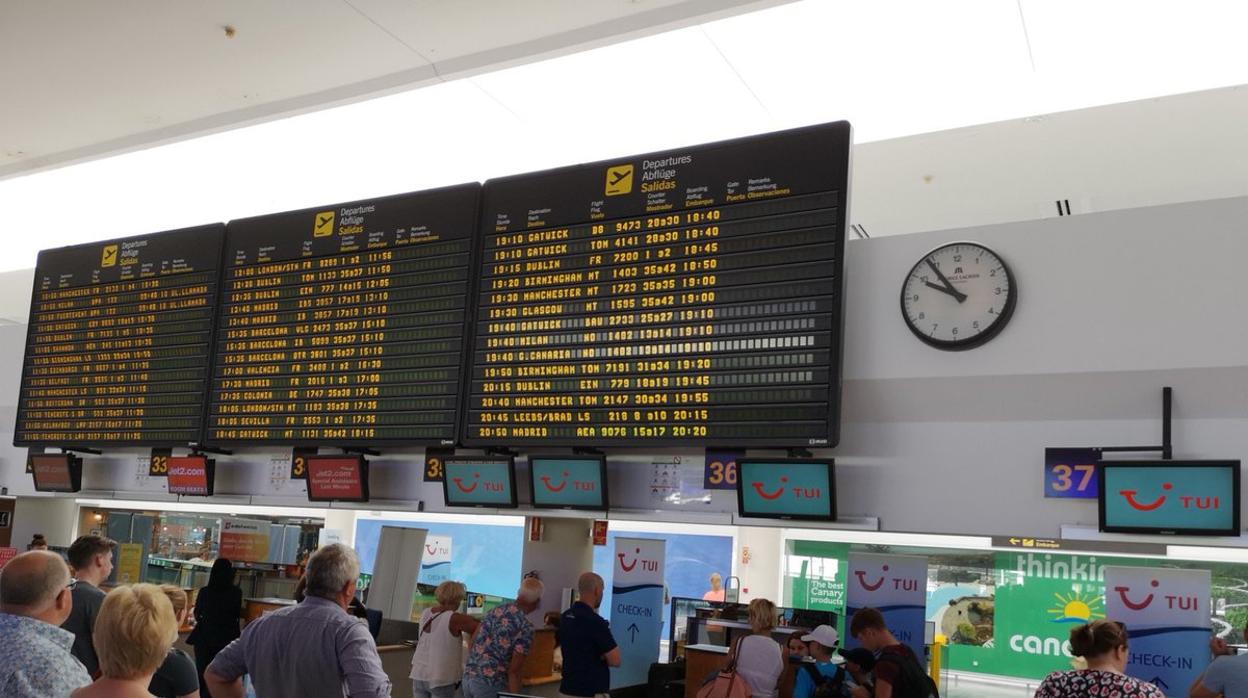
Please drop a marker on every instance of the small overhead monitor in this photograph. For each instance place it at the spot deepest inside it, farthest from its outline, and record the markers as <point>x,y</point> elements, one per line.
<point>786,488</point>
<point>56,472</point>
<point>479,481</point>
<point>1169,497</point>
<point>569,482</point>
<point>337,478</point>
<point>192,475</point>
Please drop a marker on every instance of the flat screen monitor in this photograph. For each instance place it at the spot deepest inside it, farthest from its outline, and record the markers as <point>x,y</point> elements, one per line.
<point>1192,498</point>
<point>56,472</point>
<point>786,488</point>
<point>479,481</point>
<point>192,475</point>
<point>569,482</point>
<point>337,479</point>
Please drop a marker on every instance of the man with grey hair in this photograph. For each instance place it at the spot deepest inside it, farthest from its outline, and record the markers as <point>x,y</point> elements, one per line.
<point>35,657</point>
<point>501,643</point>
<point>589,649</point>
<point>308,649</point>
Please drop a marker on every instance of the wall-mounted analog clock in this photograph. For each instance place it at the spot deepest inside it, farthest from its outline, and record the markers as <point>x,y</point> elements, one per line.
<point>958,296</point>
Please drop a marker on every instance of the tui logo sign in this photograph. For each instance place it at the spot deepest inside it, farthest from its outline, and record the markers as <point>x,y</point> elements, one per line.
<point>475,482</point>
<point>786,489</point>
<point>1162,498</point>
<point>470,485</point>
<point>628,562</point>
<point>1187,501</point>
<point>878,581</point>
<point>567,482</point>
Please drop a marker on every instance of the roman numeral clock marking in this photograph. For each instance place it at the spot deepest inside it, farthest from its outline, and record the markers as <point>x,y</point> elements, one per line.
<point>958,296</point>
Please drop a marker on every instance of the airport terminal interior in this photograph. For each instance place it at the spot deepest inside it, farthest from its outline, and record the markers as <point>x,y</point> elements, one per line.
<point>848,306</point>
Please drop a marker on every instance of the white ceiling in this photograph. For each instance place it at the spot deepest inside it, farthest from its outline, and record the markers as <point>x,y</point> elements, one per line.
<point>83,78</point>
<point>894,68</point>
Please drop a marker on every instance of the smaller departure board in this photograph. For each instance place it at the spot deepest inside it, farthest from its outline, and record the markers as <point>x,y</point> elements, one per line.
<point>691,297</point>
<point>344,325</point>
<point>117,349</point>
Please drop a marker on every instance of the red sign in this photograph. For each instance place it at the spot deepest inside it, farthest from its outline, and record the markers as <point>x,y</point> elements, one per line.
<point>7,554</point>
<point>337,478</point>
<point>189,475</point>
<point>535,529</point>
<point>600,532</point>
<point>52,472</point>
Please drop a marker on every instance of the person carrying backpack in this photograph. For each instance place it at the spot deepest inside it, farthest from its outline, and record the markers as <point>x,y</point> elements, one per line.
<point>821,678</point>
<point>898,672</point>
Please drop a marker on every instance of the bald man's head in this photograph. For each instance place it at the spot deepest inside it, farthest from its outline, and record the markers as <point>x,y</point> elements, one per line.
<point>589,587</point>
<point>588,583</point>
<point>32,584</point>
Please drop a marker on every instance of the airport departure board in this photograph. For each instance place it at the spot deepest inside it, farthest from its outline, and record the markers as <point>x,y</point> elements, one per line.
<point>344,325</point>
<point>692,297</point>
<point>117,349</point>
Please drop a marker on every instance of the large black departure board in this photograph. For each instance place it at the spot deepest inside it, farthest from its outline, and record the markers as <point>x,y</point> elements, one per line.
<point>692,296</point>
<point>117,348</point>
<point>344,325</point>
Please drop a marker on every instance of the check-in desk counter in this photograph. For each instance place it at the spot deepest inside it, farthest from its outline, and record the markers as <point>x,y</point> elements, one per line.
<point>539,665</point>
<point>397,662</point>
<point>256,607</point>
<point>701,660</point>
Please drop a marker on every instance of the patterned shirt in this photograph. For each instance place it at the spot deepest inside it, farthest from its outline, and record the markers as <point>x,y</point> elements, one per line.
<point>1093,683</point>
<point>35,661</point>
<point>503,631</point>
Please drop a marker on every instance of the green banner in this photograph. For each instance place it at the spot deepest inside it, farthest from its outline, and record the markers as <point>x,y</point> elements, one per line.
<point>1039,598</point>
<point>815,574</point>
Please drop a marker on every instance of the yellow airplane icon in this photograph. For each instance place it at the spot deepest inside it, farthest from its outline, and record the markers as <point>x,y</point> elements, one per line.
<point>109,257</point>
<point>619,180</point>
<point>323,225</point>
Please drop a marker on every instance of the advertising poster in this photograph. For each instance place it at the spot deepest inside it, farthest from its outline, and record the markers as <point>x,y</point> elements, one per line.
<point>1040,597</point>
<point>896,585</point>
<point>129,563</point>
<point>244,539</point>
<point>1166,612</point>
<point>435,564</point>
<point>636,607</point>
<point>816,575</point>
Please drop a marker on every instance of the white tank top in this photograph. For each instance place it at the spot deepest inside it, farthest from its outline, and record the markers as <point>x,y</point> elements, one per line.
<point>439,655</point>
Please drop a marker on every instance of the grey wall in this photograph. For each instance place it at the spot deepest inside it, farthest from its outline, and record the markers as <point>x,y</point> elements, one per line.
<point>1112,307</point>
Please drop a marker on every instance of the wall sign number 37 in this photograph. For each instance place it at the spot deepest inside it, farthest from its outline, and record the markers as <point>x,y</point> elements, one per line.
<point>1077,476</point>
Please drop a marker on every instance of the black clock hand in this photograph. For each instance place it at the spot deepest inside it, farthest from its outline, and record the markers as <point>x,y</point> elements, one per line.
<point>948,286</point>
<point>943,289</point>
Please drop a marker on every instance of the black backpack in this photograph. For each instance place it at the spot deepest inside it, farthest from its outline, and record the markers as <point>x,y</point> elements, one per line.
<point>826,686</point>
<point>915,683</point>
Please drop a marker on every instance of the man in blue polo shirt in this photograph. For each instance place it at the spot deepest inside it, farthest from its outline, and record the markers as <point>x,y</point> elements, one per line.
<point>589,650</point>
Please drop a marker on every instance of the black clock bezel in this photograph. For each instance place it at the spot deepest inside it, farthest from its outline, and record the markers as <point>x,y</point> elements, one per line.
<point>988,333</point>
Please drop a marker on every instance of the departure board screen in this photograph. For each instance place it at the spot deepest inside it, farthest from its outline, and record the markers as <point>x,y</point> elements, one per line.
<point>344,325</point>
<point>692,297</point>
<point>117,346</point>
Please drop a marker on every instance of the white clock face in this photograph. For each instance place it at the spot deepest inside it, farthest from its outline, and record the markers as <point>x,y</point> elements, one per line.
<point>958,296</point>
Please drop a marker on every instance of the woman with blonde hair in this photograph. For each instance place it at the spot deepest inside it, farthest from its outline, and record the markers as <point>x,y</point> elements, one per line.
<point>717,589</point>
<point>177,676</point>
<point>132,636</point>
<point>759,658</point>
<point>438,662</point>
